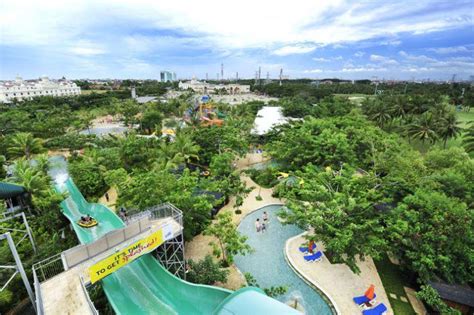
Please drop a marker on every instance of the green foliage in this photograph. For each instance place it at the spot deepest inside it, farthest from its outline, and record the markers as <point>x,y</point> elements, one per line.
<point>271,291</point>
<point>72,141</point>
<point>151,188</point>
<point>339,206</point>
<point>24,144</point>
<point>229,241</point>
<point>88,177</point>
<point>431,297</point>
<point>206,271</point>
<point>433,234</point>
<point>468,138</point>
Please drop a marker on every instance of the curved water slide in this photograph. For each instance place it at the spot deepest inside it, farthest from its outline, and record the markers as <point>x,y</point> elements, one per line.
<point>146,287</point>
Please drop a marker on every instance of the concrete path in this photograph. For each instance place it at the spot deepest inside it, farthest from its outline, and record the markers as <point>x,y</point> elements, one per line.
<point>337,281</point>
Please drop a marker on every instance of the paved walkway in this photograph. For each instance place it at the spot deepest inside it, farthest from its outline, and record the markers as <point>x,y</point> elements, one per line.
<point>338,282</point>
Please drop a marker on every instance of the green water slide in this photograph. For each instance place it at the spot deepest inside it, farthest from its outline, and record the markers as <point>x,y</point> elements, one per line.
<point>146,287</point>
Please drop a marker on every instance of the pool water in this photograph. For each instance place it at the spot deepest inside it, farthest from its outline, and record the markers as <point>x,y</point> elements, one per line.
<point>267,263</point>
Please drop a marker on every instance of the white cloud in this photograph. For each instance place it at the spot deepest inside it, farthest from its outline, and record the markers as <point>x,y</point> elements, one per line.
<point>313,71</point>
<point>359,54</point>
<point>322,59</point>
<point>363,69</point>
<point>383,60</point>
<point>293,50</point>
<point>336,58</point>
<point>87,48</point>
<point>416,58</point>
<point>278,22</point>
<point>450,50</point>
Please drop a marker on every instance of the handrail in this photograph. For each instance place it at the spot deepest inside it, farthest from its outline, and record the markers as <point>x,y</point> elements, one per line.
<point>88,298</point>
<point>49,267</point>
<point>38,296</point>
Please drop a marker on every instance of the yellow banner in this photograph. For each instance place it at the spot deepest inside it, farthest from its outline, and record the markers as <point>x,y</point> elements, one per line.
<point>116,261</point>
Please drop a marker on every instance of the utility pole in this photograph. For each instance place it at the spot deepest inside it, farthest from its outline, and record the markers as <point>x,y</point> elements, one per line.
<point>236,76</point>
<point>281,74</point>
<point>259,75</point>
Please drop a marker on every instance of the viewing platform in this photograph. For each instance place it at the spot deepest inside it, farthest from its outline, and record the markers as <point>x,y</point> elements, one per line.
<point>61,280</point>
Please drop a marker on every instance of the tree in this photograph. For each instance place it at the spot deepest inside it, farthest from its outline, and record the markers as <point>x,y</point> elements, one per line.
<point>129,110</point>
<point>229,241</point>
<point>185,149</point>
<point>271,291</point>
<point>339,206</point>
<point>206,271</point>
<point>24,144</point>
<point>431,297</point>
<point>88,177</point>
<point>448,128</point>
<point>423,129</point>
<point>2,166</point>
<point>468,138</point>
<point>434,235</point>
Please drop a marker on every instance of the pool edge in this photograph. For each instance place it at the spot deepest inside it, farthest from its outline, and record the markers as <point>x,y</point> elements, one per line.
<point>327,297</point>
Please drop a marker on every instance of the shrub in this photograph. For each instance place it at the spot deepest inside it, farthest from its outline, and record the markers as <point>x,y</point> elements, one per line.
<point>206,271</point>
<point>238,211</point>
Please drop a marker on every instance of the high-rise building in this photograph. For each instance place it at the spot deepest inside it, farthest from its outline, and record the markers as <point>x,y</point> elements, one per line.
<point>167,76</point>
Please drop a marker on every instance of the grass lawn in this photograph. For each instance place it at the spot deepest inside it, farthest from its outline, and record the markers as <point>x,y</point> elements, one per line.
<point>394,279</point>
<point>464,118</point>
<point>87,92</point>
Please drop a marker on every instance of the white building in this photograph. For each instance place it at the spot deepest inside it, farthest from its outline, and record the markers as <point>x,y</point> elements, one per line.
<point>27,89</point>
<point>207,88</point>
<point>167,76</point>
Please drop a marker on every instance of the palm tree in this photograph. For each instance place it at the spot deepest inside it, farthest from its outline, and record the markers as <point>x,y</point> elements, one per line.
<point>448,128</point>
<point>468,138</point>
<point>423,129</point>
<point>399,108</point>
<point>29,177</point>
<point>24,144</point>
<point>185,148</point>
<point>380,114</point>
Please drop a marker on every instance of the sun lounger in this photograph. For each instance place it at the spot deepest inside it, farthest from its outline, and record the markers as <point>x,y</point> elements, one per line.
<point>304,249</point>
<point>314,257</point>
<point>378,310</point>
<point>363,299</point>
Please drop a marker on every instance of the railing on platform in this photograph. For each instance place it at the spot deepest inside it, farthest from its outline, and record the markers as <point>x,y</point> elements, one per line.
<point>48,267</point>
<point>157,212</point>
<point>89,301</point>
<point>38,296</point>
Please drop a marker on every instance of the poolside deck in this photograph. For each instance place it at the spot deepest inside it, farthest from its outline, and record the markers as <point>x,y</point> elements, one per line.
<point>337,281</point>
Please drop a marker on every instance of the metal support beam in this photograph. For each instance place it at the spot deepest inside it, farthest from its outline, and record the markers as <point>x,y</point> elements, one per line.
<point>19,266</point>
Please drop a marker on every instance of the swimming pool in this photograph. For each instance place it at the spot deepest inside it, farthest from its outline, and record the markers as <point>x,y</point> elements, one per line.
<point>268,265</point>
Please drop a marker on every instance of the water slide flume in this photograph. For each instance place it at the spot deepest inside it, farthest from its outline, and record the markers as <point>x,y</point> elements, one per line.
<point>144,286</point>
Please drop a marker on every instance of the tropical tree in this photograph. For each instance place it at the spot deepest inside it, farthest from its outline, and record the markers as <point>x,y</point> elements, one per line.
<point>24,144</point>
<point>424,129</point>
<point>448,128</point>
<point>433,235</point>
<point>380,113</point>
<point>2,166</point>
<point>206,271</point>
<point>184,147</point>
<point>339,205</point>
<point>229,241</point>
<point>468,138</point>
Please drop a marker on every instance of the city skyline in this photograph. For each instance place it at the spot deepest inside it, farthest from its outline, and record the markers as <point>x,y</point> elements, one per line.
<point>110,39</point>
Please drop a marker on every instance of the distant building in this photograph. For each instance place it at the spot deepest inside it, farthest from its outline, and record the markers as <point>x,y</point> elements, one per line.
<point>167,76</point>
<point>20,89</point>
<point>207,88</point>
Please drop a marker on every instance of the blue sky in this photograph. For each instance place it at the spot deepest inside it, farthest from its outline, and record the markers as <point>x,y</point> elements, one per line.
<point>307,38</point>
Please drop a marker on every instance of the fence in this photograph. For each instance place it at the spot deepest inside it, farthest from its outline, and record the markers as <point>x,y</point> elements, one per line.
<point>48,268</point>
<point>157,212</point>
<point>89,301</point>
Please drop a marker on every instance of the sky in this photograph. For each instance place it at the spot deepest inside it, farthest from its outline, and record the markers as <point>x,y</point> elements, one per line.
<point>404,39</point>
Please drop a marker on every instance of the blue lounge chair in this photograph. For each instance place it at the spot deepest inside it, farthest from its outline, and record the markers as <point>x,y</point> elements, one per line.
<point>304,249</point>
<point>314,257</point>
<point>363,299</point>
<point>378,310</point>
